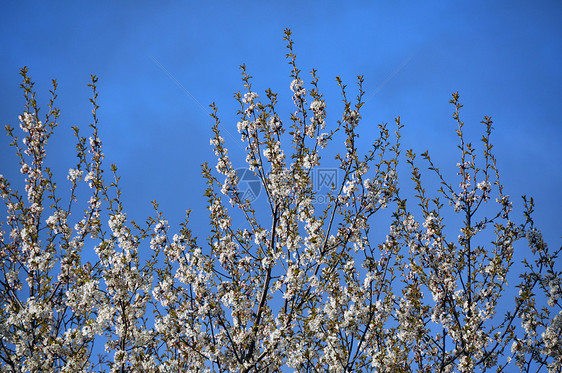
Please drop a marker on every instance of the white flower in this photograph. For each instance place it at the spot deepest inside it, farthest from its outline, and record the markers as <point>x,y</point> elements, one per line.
<point>317,106</point>
<point>242,125</point>
<point>296,85</point>
<point>249,97</point>
<point>74,175</point>
<point>484,186</point>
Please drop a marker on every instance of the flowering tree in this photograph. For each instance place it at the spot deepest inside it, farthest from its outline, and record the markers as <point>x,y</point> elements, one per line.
<point>282,282</point>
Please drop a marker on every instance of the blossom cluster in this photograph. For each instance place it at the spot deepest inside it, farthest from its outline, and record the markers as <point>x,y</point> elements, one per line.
<point>369,281</point>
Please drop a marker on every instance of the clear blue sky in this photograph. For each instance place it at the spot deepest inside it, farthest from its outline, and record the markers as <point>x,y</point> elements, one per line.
<point>503,57</point>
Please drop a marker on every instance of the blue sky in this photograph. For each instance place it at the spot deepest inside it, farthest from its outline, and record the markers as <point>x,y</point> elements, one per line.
<point>503,57</point>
